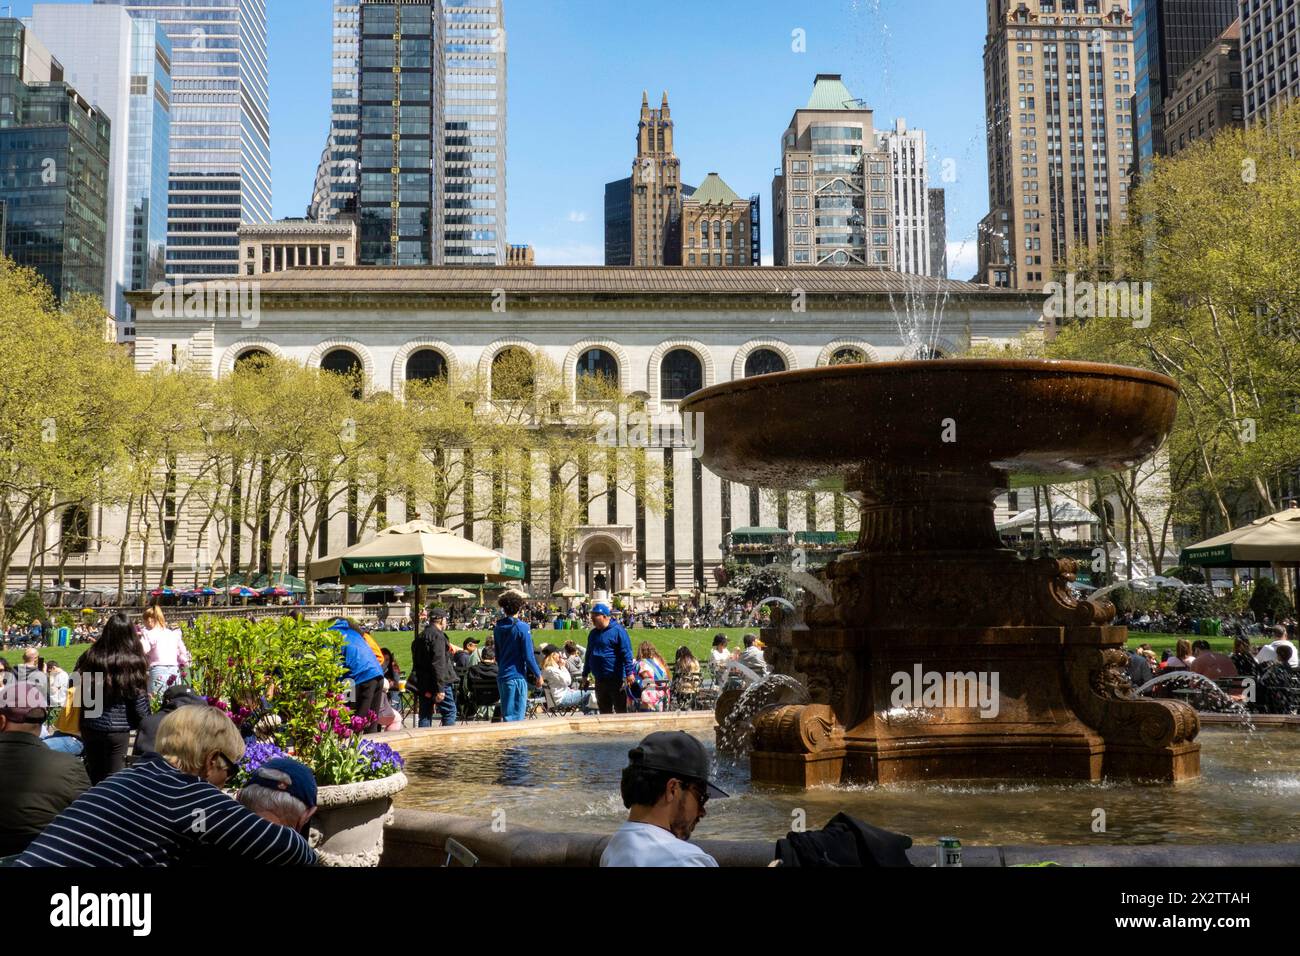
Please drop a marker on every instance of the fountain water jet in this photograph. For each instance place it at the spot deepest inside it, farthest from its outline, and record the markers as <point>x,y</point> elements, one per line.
<point>927,446</point>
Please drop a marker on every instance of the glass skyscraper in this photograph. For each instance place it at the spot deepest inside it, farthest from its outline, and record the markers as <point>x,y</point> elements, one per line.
<point>54,154</point>
<point>474,203</point>
<point>122,64</point>
<point>464,96</point>
<point>220,166</point>
<point>336,177</point>
<point>1168,36</point>
<point>400,163</point>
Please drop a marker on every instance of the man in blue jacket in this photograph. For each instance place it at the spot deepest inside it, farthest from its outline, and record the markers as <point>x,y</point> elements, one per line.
<point>609,659</point>
<point>364,674</point>
<point>516,659</point>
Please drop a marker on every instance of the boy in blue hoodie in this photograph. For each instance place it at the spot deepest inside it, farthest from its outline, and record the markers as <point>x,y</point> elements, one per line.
<point>516,659</point>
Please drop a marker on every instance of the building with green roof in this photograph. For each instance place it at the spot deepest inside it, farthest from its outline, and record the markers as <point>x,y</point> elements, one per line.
<point>716,226</point>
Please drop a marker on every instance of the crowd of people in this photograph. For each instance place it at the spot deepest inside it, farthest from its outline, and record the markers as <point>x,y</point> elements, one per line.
<point>1264,678</point>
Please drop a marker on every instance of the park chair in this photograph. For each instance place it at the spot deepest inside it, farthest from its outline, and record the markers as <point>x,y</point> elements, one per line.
<point>556,709</point>
<point>485,695</point>
<point>459,852</point>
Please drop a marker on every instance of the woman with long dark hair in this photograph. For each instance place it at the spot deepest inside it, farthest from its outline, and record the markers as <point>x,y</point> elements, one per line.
<point>113,687</point>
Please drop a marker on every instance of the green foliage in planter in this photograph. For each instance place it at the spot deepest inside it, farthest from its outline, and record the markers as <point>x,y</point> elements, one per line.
<point>29,608</point>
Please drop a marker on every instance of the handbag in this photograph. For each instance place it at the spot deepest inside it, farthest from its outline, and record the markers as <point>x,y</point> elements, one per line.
<point>69,719</point>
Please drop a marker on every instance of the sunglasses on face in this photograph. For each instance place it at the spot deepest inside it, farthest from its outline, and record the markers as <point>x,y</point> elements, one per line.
<point>701,792</point>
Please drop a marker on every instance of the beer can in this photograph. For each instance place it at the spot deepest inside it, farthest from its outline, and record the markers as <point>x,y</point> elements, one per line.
<point>949,851</point>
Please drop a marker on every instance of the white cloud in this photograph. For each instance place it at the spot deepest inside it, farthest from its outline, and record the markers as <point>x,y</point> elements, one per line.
<point>570,254</point>
<point>577,215</point>
<point>768,259</point>
<point>963,259</point>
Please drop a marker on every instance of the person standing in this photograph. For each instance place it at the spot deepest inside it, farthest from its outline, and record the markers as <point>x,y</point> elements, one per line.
<point>609,660</point>
<point>516,659</point>
<point>114,698</point>
<point>434,672</point>
<point>364,674</point>
<point>166,650</point>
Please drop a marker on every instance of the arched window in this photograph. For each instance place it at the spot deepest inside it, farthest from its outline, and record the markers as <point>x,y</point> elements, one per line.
<point>680,374</point>
<point>849,356</point>
<point>74,530</point>
<point>512,375</point>
<point>597,368</point>
<point>344,362</point>
<point>252,359</point>
<point>763,362</point>
<point>426,365</point>
<point>717,227</point>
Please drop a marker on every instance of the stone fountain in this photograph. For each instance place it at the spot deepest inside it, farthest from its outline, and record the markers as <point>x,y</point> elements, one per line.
<point>930,591</point>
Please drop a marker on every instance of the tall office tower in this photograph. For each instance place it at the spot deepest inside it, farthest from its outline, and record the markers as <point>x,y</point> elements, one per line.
<point>122,64</point>
<point>54,159</point>
<point>1168,36</point>
<point>220,167</point>
<point>474,210</point>
<point>401,134</point>
<point>832,204</point>
<point>1270,55</point>
<point>910,178</point>
<point>335,190</point>
<point>716,226</point>
<point>1058,89</point>
<point>656,190</point>
<point>938,234</point>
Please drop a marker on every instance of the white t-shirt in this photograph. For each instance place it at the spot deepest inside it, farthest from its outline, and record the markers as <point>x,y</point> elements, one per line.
<point>1268,653</point>
<point>644,844</point>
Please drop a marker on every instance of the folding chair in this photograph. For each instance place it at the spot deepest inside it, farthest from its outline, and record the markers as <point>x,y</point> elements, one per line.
<point>459,852</point>
<point>557,709</point>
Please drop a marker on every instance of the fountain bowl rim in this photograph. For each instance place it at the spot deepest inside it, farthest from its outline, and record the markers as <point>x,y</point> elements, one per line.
<point>1064,367</point>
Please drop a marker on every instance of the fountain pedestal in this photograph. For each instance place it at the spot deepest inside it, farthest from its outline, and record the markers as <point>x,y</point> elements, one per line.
<point>942,655</point>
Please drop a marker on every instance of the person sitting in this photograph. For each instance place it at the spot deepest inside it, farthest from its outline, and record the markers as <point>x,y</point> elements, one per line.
<point>462,658</point>
<point>559,683</point>
<point>645,693</point>
<point>1243,659</point>
<point>573,659</point>
<point>31,671</point>
<point>686,678</point>
<point>39,783</point>
<point>1178,661</point>
<point>174,698</point>
<point>169,809</point>
<point>752,655</point>
<point>1269,652</point>
<point>481,686</point>
<point>665,787</point>
<point>281,791</point>
<point>1279,685</point>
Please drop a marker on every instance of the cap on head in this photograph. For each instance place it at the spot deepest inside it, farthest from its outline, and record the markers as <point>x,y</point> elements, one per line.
<point>438,614</point>
<point>23,702</point>
<point>288,775</point>
<point>601,609</point>
<point>675,752</point>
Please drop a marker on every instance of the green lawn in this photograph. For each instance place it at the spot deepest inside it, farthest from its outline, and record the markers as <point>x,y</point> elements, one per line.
<point>666,640</point>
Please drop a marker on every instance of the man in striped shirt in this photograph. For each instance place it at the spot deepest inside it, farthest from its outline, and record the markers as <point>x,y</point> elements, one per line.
<point>169,810</point>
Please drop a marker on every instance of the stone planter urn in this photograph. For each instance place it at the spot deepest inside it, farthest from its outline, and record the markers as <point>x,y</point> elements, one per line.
<point>348,828</point>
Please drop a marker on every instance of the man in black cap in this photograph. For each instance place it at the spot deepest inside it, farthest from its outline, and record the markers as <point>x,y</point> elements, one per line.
<point>665,787</point>
<point>433,671</point>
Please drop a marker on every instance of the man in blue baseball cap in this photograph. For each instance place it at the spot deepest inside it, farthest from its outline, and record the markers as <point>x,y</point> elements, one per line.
<point>609,659</point>
<point>282,791</point>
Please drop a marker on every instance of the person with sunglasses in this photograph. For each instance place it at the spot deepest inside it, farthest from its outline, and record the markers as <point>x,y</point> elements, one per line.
<point>665,787</point>
<point>170,809</point>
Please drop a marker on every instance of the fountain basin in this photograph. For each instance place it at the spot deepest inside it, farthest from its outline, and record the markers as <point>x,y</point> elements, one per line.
<point>568,784</point>
<point>926,447</point>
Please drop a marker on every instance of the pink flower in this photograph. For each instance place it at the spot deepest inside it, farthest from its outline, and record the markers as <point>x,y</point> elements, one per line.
<point>346,733</point>
<point>332,713</point>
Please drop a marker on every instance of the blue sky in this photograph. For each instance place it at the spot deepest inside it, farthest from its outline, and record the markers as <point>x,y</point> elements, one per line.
<point>577,69</point>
